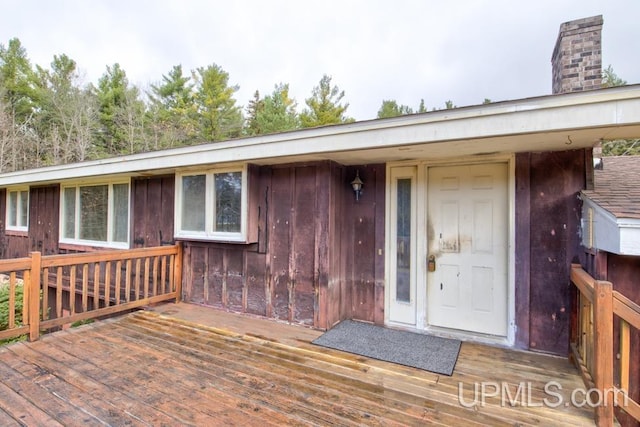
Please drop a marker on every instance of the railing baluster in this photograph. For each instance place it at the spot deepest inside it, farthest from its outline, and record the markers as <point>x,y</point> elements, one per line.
<point>118,281</point>
<point>45,293</point>
<point>107,284</point>
<point>137,279</point>
<point>85,287</point>
<point>155,275</point>
<point>12,299</point>
<point>146,277</point>
<point>72,290</point>
<point>625,352</point>
<point>163,274</point>
<point>59,292</point>
<point>96,285</point>
<point>127,281</point>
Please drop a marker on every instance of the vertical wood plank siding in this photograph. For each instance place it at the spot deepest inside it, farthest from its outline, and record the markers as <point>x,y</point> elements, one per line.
<point>555,180</point>
<point>152,207</point>
<point>316,258</point>
<point>316,255</point>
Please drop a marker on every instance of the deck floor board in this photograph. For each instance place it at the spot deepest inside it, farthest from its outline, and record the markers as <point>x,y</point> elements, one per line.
<point>181,364</point>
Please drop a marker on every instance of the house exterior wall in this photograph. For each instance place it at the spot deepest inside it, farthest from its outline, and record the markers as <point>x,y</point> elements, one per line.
<point>547,242</point>
<point>293,271</point>
<point>152,200</point>
<point>318,255</point>
<point>44,211</point>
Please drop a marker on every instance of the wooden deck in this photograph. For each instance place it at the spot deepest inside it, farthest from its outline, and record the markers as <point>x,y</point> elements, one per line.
<point>188,365</point>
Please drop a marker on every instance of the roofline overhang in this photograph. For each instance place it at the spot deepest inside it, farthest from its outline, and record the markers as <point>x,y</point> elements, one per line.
<point>605,109</point>
<point>622,232</point>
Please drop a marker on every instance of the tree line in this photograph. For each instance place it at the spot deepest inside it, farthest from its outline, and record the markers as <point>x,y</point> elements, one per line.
<point>49,116</point>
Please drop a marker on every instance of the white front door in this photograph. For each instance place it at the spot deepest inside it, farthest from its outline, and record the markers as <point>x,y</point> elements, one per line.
<point>467,232</point>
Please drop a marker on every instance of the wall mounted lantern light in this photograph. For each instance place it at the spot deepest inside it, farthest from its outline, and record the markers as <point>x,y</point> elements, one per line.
<point>356,184</point>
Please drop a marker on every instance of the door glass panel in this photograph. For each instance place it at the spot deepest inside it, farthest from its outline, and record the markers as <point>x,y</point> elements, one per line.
<point>403,227</point>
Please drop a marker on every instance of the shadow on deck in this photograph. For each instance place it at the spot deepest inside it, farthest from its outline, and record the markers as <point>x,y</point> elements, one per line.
<point>181,364</point>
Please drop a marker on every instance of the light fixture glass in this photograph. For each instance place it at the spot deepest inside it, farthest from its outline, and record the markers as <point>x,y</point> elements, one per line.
<point>357,184</point>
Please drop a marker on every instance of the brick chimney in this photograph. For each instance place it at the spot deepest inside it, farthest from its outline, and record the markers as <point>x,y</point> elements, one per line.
<point>577,57</point>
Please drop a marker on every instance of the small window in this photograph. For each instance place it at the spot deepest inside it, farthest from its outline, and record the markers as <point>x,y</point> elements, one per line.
<point>212,205</point>
<point>17,209</point>
<point>95,214</point>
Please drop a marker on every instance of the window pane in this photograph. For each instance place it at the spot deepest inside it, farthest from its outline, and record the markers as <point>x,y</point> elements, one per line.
<point>120,212</point>
<point>403,224</point>
<point>24,208</point>
<point>193,202</point>
<point>94,205</point>
<point>228,200</point>
<point>13,209</point>
<point>69,213</point>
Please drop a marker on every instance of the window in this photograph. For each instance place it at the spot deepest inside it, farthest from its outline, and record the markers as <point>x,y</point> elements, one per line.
<point>212,205</point>
<point>17,209</point>
<point>95,214</point>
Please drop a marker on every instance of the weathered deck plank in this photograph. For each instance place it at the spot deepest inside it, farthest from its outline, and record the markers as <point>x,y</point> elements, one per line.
<point>197,366</point>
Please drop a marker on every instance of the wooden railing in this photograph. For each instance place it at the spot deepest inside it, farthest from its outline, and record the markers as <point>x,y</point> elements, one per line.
<point>63,289</point>
<point>592,344</point>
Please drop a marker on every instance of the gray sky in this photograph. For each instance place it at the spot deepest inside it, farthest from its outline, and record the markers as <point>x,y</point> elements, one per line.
<point>463,51</point>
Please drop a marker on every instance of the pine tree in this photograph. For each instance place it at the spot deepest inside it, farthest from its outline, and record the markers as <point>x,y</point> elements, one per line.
<point>324,107</point>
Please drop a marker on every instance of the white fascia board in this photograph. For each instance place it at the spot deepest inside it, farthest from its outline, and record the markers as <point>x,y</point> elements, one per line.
<point>619,236</point>
<point>606,234</point>
<point>629,236</point>
<point>602,108</point>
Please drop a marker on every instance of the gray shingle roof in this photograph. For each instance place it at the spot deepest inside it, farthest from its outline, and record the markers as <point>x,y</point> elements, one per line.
<point>617,186</point>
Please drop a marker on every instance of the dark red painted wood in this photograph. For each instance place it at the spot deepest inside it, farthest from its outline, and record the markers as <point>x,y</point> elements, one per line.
<point>624,273</point>
<point>280,241</point>
<point>152,207</point>
<point>256,283</point>
<point>362,238</point>
<point>234,279</point>
<point>523,248</point>
<point>556,179</point>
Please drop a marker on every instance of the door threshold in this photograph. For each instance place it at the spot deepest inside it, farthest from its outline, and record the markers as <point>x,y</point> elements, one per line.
<point>476,337</point>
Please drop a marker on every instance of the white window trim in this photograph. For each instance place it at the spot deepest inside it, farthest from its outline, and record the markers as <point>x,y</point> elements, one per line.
<point>18,226</point>
<point>94,243</point>
<point>209,233</point>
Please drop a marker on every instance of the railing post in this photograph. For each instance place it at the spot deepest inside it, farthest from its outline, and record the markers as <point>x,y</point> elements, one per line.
<point>177,272</point>
<point>33,296</point>
<point>603,351</point>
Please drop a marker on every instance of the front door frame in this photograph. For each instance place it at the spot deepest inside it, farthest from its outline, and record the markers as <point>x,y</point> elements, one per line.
<point>420,210</point>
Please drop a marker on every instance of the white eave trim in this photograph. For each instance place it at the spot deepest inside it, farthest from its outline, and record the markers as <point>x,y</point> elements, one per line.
<point>612,234</point>
<point>585,110</point>
<point>629,236</point>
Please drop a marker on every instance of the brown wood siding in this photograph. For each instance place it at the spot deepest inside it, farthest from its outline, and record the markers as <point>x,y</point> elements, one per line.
<point>44,220</point>
<point>286,274</point>
<point>523,248</point>
<point>362,240</point>
<point>555,181</point>
<point>152,201</point>
<point>624,273</point>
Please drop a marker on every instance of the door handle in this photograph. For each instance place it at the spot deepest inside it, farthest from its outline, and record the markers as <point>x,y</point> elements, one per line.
<point>431,264</point>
